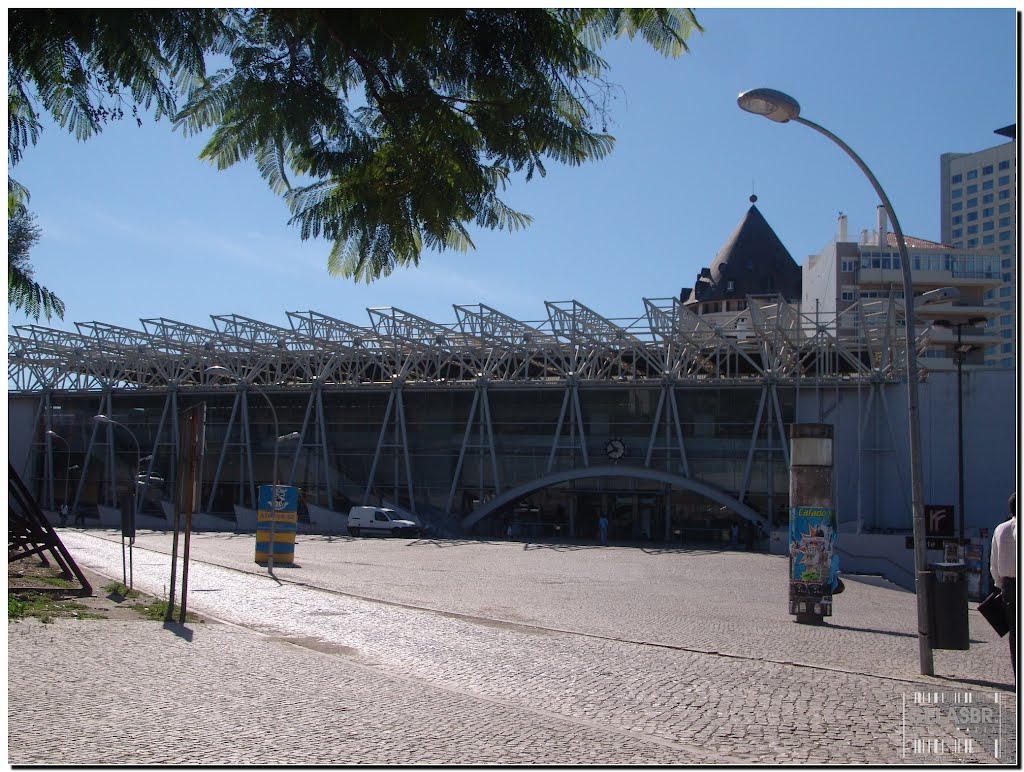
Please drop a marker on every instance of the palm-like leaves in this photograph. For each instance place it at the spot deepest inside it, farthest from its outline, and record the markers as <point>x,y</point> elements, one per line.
<point>387,132</point>
<point>451,103</point>
<point>24,293</point>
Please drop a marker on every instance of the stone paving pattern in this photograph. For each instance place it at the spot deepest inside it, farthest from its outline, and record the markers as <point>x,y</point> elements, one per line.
<point>397,651</point>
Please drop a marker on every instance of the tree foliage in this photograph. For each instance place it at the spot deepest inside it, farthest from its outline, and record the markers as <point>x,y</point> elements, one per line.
<point>24,293</point>
<point>388,132</point>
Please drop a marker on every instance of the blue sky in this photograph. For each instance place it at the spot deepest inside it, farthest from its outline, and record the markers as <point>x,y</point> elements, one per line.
<point>135,226</point>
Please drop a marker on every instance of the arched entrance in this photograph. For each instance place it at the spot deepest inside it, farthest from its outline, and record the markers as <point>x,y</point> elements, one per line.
<point>512,495</point>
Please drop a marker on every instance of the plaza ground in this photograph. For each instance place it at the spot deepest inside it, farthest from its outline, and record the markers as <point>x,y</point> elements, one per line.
<point>438,651</point>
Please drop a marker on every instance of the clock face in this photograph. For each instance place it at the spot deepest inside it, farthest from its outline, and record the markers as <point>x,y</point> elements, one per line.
<point>615,449</point>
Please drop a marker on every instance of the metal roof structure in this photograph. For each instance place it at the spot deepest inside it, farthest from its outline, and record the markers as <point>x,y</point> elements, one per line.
<point>770,339</point>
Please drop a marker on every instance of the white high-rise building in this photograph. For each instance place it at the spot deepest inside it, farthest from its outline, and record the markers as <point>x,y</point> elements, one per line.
<point>979,211</point>
<point>852,281</point>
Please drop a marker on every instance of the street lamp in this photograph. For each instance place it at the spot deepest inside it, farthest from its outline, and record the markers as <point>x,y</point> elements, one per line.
<point>221,371</point>
<point>130,521</point>
<point>782,108</point>
<point>67,470</point>
<point>959,352</point>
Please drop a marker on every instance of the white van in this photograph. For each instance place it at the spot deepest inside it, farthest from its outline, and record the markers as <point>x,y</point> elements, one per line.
<point>379,520</point>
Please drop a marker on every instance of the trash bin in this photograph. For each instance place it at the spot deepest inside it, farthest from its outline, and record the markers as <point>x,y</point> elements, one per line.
<point>947,606</point>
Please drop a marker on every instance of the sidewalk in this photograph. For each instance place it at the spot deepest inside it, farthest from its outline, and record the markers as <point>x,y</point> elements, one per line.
<point>318,676</point>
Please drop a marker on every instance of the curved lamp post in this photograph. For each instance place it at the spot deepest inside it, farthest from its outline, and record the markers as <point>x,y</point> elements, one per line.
<point>782,108</point>
<point>129,573</point>
<point>220,370</point>
<point>67,465</point>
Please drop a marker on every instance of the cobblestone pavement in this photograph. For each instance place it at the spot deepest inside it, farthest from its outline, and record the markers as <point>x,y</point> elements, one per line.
<point>375,651</point>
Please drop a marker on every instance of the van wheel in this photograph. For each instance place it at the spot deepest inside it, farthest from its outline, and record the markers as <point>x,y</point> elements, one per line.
<point>353,531</point>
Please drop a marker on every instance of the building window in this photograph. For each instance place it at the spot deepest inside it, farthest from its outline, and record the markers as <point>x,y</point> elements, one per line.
<point>1004,222</point>
<point>956,179</point>
<point>1005,292</point>
<point>988,240</point>
<point>1003,165</point>
<point>1004,208</point>
<point>1004,235</point>
<point>848,266</point>
<point>972,216</point>
<point>987,198</point>
<point>1004,180</point>
<point>988,212</point>
<point>986,170</point>
<point>971,243</point>
<point>1007,249</point>
<point>987,185</point>
<point>1006,348</point>
<point>958,232</point>
<point>972,174</point>
<point>1006,333</point>
<point>1008,362</point>
<point>1006,305</point>
<point>972,229</point>
<point>1004,195</point>
<point>957,220</point>
<point>848,294</point>
<point>971,202</point>
<point>1007,263</point>
<point>957,206</point>
<point>1006,319</point>
<point>958,193</point>
<point>972,189</point>
<point>988,226</point>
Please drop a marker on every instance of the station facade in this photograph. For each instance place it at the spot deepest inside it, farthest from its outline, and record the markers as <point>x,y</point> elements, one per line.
<point>673,423</point>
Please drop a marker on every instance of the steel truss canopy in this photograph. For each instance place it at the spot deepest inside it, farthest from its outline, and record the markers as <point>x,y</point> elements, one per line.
<point>768,340</point>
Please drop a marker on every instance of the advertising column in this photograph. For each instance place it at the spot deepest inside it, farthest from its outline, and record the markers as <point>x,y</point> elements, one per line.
<point>813,563</point>
<point>276,521</point>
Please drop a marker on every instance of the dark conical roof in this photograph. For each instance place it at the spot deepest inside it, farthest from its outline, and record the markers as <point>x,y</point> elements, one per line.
<point>753,261</point>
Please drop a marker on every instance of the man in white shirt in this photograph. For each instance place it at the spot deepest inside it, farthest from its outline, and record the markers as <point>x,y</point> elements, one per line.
<point>1003,567</point>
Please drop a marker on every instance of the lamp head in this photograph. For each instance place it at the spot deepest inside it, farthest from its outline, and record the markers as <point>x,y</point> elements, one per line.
<point>770,103</point>
<point>218,370</point>
<point>102,419</point>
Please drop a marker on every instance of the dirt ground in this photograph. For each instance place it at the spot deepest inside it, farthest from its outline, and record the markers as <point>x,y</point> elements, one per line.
<point>30,574</point>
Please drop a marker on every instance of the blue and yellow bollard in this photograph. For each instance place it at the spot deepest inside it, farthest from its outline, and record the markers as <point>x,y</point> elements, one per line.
<point>279,505</point>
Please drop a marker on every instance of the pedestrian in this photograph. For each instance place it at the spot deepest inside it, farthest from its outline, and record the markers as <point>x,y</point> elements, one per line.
<point>734,535</point>
<point>602,529</point>
<point>508,531</point>
<point>63,515</point>
<point>1003,567</point>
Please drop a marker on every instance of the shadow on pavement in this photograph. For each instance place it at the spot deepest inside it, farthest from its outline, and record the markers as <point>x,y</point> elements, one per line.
<point>559,546</point>
<point>446,542</point>
<point>179,630</point>
<point>980,682</point>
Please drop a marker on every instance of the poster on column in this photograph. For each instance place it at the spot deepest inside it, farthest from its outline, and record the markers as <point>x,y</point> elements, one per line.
<point>814,564</point>
<point>278,510</point>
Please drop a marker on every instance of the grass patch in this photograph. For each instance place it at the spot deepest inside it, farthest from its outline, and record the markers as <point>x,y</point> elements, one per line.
<point>54,581</point>
<point>157,611</point>
<point>45,608</point>
<point>118,590</point>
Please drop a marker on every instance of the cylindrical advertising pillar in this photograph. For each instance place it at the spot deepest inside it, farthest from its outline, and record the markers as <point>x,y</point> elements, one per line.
<point>813,563</point>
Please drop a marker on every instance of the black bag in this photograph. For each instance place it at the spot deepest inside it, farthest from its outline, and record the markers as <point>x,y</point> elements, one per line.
<point>993,610</point>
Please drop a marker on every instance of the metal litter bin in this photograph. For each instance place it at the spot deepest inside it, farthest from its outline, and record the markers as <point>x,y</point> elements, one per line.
<point>947,606</point>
